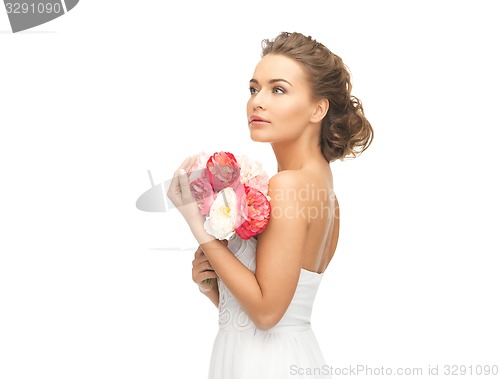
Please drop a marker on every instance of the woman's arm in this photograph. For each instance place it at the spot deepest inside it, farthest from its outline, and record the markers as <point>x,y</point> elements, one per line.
<point>266,295</point>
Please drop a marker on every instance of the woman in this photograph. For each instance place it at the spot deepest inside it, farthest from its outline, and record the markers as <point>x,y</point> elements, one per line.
<point>300,102</point>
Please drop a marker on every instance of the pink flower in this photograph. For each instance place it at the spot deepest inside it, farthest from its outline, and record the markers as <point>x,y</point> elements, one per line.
<point>203,193</point>
<point>223,171</point>
<point>255,211</point>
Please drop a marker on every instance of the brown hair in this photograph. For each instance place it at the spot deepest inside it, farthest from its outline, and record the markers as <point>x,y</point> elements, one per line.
<point>345,131</point>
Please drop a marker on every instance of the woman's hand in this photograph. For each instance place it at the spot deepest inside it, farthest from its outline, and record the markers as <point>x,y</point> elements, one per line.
<point>180,195</point>
<point>202,270</point>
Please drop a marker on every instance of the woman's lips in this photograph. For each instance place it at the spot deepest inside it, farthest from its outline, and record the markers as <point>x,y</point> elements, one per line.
<point>258,121</point>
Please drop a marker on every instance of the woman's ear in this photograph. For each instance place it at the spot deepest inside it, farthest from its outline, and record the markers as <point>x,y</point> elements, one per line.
<point>320,110</point>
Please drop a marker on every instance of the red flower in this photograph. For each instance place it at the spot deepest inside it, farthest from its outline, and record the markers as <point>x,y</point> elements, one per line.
<point>223,171</point>
<point>255,211</point>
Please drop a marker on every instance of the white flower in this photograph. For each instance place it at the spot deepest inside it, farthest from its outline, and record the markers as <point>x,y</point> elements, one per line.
<point>221,221</point>
<point>252,174</point>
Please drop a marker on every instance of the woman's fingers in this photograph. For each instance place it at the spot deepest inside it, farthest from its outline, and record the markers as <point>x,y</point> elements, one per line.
<point>202,269</point>
<point>179,191</point>
<point>202,264</point>
<point>188,163</point>
<point>199,277</point>
<point>205,266</point>
<point>185,163</point>
<point>208,275</point>
<point>174,192</point>
<point>198,253</point>
<point>184,186</point>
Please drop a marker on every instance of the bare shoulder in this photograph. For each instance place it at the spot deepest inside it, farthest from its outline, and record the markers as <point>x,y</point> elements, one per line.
<point>288,179</point>
<point>295,184</point>
<point>285,187</point>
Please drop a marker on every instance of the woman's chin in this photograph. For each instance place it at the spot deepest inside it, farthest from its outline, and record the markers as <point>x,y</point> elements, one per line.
<point>258,137</point>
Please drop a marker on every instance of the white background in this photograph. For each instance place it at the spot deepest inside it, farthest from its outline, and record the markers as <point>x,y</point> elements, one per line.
<point>92,100</point>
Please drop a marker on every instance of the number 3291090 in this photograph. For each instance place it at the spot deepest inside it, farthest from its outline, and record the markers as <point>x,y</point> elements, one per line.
<point>18,8</point>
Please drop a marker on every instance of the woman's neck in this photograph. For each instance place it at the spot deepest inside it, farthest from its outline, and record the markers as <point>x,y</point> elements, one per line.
<point>294,155</point>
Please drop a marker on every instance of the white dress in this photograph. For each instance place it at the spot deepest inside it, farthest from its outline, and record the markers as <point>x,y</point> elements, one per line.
<point>288,350</point>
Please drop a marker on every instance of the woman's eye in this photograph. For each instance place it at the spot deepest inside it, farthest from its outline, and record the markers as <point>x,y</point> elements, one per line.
<point>278,90</point>
<point>253,90</point>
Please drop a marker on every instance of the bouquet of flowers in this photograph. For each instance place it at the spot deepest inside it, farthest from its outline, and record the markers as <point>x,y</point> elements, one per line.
<point>231,192</point>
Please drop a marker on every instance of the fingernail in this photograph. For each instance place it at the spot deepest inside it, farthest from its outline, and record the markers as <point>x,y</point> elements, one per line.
<point>182,171</point>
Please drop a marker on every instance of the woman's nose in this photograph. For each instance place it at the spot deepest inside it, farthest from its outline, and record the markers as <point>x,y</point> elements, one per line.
<point>258,101</point>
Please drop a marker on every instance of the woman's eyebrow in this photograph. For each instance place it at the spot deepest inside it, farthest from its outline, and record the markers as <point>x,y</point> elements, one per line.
<point>271,81</point>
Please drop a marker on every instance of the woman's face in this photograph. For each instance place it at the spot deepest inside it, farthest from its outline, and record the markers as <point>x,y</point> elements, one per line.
<point>280,105</point>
